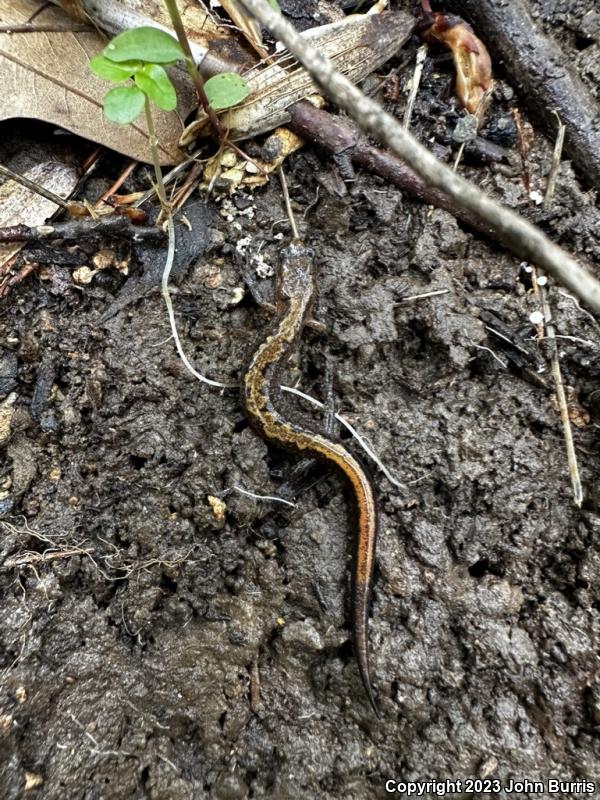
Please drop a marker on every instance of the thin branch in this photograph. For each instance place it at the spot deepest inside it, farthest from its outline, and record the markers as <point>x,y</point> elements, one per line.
<point>555,166</point>
<point>560,393</point>
<point>525,240</point>
<point>415,83</point>
<point>288,203</point>
<point>72,230</point>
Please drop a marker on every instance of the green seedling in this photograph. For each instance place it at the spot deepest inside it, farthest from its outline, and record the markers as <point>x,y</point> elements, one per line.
<point>140,57</point>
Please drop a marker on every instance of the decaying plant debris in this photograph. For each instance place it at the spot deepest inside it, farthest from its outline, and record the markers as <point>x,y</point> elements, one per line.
<point>166,636</point>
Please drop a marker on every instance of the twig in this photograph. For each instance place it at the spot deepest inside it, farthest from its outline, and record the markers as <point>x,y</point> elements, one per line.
<point>412,297</point>
<point>168,178</point>
<point>288,204</point>
<point>560,392</point>
<point>416,82</point>
<point>523,147</point>
<point>524,239</point>
<point>255,686</point>
<point>338,137</point>
<point>81,229</point>
<point>118,183</point>
<point>555,166</point>
<point>28,27</point>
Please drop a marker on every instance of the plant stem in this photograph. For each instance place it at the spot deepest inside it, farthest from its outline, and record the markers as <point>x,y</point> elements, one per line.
<point>153,141</point>
<point>176,21</point>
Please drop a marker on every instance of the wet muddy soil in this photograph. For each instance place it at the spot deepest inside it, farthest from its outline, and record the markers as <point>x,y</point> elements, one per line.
<point>155,644</point>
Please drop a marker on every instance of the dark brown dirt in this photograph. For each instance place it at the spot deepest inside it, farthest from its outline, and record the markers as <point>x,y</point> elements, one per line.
<point>150,650</point>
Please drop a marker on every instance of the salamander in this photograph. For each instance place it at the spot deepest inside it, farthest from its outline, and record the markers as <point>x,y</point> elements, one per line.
<point>296,289</point>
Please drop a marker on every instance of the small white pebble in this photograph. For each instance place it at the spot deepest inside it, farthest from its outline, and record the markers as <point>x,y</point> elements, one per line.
<point>536,318</point>
<point>242,244</point>
<point>83,275</point>
<point>537,197</point>
<point>236,296</point>
<point>542,280</point>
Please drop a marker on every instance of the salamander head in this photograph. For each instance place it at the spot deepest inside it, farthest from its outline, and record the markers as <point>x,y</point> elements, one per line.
<point>296,271</point>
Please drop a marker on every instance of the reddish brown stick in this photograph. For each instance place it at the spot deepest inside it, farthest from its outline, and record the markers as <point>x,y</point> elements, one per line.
<point>339,138</point>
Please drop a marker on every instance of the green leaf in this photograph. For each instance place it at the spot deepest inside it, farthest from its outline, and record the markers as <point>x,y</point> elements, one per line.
<point>123,104</point>
<point>111,71</point>
<point>226,90</point>
<point>144,44</point>
<point>156,84</point>
<point>274,4</point>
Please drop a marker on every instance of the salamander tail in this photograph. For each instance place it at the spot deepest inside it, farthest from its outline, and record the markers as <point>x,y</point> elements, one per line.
<point>361,641</point>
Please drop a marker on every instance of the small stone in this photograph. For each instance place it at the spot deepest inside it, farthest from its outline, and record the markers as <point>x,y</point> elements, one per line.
<point>83,275</point>
<point>228,159</point>
<point>537,197</point>
<point>32,781</point>
<point>218,507</point>
<point>230,787</point>
<point>104,258</point>
<point>536,318</point>
<point>303,634</point>
<point>466,129</point>
<point>236,296</point>
<point>21,695</point>
<point>489,766</point>
<point>213,276</point>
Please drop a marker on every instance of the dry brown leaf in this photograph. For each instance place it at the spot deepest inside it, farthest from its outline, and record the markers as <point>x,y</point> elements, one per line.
<point>21,206</point>
<point>249,27</point>
<point>45,76</point>
<point>357,46</point>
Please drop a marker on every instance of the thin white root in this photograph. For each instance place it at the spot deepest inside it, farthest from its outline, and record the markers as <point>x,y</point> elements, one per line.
<point>169,304</point>
<point>343,421</point>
